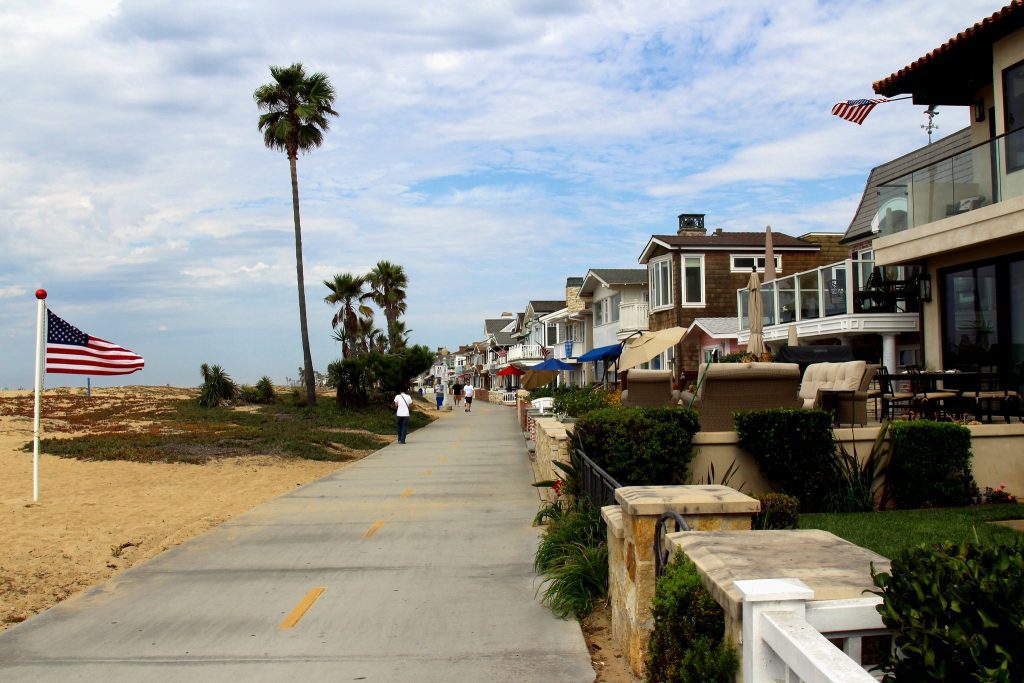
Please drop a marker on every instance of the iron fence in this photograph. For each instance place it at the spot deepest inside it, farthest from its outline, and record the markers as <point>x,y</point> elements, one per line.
<point>598,486</point>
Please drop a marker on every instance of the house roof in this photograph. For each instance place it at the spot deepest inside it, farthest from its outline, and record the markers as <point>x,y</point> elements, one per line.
<point>492,325</point>
<point>861,225</point>
<point>609,277</point>
<point>721,240</point>
<point>503,339</point>
<point>716,328</point>
<point>953,72</point>
<point>547,306</point>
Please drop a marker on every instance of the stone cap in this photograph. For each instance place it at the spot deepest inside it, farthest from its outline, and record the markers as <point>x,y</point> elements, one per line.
<point>686,500</point>
<point>833,568</point>
<point>612,516</point>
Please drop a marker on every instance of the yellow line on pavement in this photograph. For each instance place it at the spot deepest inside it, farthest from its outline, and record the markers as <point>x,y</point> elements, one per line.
<point>406,493</point>
<point>374,528</point>
<point>427,473</point>
<point>300,610</point>
<point>443,458</point>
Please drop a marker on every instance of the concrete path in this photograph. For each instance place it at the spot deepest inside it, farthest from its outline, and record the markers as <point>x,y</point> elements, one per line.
<point>423,553</point>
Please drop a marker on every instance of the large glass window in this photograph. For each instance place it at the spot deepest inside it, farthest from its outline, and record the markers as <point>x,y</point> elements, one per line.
<point>1013,106</point>
<point>661,283</point>
<point>971,317</point>
<point>693,279</point>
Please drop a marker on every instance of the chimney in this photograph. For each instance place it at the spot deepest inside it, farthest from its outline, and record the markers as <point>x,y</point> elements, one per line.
<point>718,231</point>
<point>692,224</point>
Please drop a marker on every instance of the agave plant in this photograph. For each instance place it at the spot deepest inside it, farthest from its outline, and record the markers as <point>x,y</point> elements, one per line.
<point>217,386</point>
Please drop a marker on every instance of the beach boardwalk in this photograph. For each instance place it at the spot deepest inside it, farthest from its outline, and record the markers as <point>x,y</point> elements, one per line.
<point>413,564</point>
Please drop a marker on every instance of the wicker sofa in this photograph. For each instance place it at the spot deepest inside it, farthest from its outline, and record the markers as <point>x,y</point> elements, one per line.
<point>855,376</point>
<point>649,389</point>
<point>725,388</point>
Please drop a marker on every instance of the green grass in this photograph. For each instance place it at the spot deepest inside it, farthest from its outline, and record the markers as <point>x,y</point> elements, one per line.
<point>889,532</point>
<point>184,431</point>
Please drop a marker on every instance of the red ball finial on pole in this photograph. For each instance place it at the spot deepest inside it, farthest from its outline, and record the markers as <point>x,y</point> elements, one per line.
<point>40,293</point>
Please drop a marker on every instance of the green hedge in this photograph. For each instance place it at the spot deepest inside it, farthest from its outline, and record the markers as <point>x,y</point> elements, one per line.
<point>639,446</point>
<point>931,465</point>
<point>778,511</point>
<point>687,643</point>
<point>956,613</point>
<point>795,449</point>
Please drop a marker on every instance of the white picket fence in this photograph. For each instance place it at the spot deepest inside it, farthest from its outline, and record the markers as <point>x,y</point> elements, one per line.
<point>786,637</point>
<point>509,398</point>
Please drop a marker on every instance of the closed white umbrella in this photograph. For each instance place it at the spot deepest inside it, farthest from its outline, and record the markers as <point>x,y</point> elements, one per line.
<point>645,346</point>
<point>755,347</point>
<point>769,255</point>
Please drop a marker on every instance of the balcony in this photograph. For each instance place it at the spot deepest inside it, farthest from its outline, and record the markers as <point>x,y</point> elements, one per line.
<point>567,350</point>
<point>850,296</point>
<point>634,316</point>
<point>979,176</point>
<point>524,352</point>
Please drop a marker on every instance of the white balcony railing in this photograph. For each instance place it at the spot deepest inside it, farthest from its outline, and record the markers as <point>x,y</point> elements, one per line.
<point>786,637</point>
<point>565,350</point>
<point>634,315</point>
<point>524,352</point>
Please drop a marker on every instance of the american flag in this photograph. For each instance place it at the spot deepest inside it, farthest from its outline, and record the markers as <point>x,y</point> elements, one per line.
<point>856,110</point>
<point>73,352</point>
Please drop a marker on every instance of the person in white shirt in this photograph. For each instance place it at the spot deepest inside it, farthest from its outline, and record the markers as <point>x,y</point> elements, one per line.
<point>467,393</point>
<point>403,402</point>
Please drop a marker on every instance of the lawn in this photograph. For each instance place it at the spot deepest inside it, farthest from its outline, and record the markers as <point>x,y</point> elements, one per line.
<point>177,430</point>
<point>889,532</point>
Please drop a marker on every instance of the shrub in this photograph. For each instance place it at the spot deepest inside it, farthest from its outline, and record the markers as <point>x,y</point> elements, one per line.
<point>778,511</point>
<point>217,386</point>
<point>793,448</point>
<point>352,380</point>
<point>956,613</point>
<point>639,446</point>
<point>355,377</point>
<point>578,401</point>
<point>688,643</point>
<point>931,465</point>
<point>265,390</point>
<point>573,558</point>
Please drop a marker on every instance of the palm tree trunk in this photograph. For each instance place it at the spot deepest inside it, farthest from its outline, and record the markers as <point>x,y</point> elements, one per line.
<point>307,357</point>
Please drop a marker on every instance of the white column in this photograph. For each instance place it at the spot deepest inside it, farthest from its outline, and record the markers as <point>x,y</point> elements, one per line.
<point>761,595</point>
<point>889,352</point>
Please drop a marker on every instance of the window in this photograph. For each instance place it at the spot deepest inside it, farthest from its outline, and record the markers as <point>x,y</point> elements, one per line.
<point>693,280</point>
<point>552,335</point>
<point>598,313</point>
<point>1013,111</point>
<point>742,263</point>
<point>661,283</point>
<point>613,303</point>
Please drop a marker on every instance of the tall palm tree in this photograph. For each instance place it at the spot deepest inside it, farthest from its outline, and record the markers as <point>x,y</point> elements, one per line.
<point>387,283</point>
<point>348,293</point>
<point>364,335</point>
<point>296,108</point>
<point>401,334</point>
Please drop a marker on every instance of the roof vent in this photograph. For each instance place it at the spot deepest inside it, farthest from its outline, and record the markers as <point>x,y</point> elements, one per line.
<point>692,224</point>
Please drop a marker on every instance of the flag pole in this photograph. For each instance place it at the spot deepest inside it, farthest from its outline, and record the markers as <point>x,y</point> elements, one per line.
<point>40,344</point>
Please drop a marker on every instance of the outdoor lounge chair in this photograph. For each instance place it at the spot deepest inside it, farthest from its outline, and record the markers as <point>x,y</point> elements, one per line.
<point>728,387</point>
<point>649,389</point>
<point>852,376</point>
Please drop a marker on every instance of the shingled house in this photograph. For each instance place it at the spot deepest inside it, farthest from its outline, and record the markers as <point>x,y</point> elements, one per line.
<point>693,274</point>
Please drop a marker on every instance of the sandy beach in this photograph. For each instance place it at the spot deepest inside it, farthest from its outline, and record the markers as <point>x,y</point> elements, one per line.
<point>94,519</point>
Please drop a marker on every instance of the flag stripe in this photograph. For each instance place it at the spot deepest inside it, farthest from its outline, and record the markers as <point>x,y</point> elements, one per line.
<point>856,110</point>
<point>71,351</point>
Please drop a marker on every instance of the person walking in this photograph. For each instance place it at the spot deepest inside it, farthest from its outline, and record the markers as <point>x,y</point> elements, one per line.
<point>457,393</point>
<point>403,402</point>
<point>469,391</point>
<point>439,394</point>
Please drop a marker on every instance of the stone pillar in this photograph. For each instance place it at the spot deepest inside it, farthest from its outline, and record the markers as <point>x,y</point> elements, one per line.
<point>705,508</point>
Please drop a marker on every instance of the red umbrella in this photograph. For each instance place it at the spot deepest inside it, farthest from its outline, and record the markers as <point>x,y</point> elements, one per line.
<point>510,370</point>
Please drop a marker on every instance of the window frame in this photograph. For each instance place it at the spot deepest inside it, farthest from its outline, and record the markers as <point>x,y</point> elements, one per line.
<point>758,258</point>
<point>701,303</point>
<point>659,303</point>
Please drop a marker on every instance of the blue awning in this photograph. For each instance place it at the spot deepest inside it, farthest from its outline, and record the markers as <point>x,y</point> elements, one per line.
<point>601,353</point>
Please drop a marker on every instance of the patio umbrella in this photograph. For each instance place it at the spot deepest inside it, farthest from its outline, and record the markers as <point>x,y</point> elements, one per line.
<point>511,370</point>
<point>645,346</point>
<point>769,255</point>
<point>554,364</point>
<point>537,378</point>
<point>755,346</point>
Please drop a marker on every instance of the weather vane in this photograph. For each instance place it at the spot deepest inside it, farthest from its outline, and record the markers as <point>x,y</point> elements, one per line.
<point>931,125</point>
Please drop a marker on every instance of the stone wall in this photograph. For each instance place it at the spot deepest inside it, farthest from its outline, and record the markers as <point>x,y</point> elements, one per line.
<point>551,445</point>
<point>631,526</point>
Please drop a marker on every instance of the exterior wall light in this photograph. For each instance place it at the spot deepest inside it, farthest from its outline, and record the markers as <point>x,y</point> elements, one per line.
<point>924,287</point>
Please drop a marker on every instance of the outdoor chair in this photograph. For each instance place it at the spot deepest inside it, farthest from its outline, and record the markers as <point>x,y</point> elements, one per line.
<point>544,404</point>
<point>649,389</point>
<point>891,398</point>
<point>930,399</point>
<point>724,388</point>
<point>988,390</point>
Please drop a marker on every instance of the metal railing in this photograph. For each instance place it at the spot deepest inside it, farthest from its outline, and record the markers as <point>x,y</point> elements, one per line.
<point>598,486</point>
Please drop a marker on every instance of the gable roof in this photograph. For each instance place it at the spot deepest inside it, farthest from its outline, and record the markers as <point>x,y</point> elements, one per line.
<point>721,240</point>
<point>716,328</point>
<point>546,306</point>
<point>860,227</point>
<point>609,277</point>
<point>492,325</point>
<point>953,72</point>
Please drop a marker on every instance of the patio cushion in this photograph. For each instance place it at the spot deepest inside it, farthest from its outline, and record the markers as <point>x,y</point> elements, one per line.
<point>849,375</point>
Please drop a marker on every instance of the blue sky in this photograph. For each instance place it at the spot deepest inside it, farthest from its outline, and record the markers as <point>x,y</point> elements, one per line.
<point>492,149</point>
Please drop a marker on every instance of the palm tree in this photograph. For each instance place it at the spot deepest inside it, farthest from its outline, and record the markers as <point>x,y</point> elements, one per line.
<point>296,108</point>
<point>364,334</point>
<point>387,283</point>
<point>401,334</point>
<point>347,291</point>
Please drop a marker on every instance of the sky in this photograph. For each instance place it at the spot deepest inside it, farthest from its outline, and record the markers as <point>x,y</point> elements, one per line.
<point>493,149</point>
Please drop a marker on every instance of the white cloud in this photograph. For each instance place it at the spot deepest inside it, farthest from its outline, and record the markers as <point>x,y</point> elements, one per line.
<point>11,291</point>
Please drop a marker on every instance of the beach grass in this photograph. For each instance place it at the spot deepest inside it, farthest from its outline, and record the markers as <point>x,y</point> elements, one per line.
<point>180,430</point>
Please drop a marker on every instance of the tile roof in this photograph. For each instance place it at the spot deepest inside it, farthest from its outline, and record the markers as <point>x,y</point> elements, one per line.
<point>967,52</point>
<point>860,226</point>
